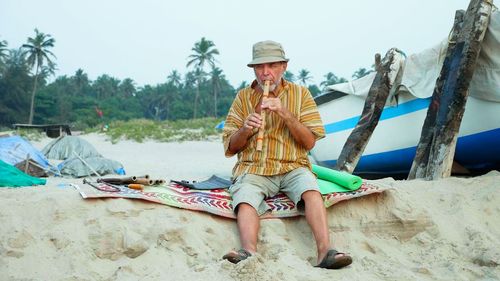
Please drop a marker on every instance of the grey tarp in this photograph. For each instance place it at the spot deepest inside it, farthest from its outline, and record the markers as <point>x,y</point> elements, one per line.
<point>65,147</point>
<point>77,168</point>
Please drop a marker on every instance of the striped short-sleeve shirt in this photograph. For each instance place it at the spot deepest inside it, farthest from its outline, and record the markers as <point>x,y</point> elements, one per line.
<point>280,152</point>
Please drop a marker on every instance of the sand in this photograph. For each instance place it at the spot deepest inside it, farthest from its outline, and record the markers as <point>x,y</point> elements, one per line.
<point>418,230</point>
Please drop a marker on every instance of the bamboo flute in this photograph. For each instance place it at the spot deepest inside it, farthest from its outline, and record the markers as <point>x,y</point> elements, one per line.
<point>260,136</point>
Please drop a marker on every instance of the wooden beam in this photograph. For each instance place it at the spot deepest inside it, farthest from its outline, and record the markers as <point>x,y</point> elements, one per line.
<point>420,162</point>
<point>434,158</point>
<point>374,104</point>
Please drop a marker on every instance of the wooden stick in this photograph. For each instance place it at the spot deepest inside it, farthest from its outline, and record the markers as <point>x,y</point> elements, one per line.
<point>260,136</point>
<point>86,164</point>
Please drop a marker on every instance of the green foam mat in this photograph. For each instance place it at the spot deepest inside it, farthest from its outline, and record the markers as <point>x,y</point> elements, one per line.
<point>330,180</point>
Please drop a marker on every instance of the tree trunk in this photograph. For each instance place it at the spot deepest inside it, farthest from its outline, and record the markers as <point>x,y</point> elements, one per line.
<point>374,105</point>
<point>195,109</point>
<point>215,101</point>
<point>32,105</point>
<point>168,109</point>
<point>436,149</point>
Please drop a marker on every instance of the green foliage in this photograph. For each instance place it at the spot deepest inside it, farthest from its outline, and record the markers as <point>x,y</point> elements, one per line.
<point>157,110</point>
<point>289,76</point>
<point>165,131</point>
<point>331,79</point>
<point>204,51</point>
<point>304,76</point>
<point>15,88</point>
<point>30,134</point>
<point>315,91</point>
<point>361,73</point>
<point>37,50</point>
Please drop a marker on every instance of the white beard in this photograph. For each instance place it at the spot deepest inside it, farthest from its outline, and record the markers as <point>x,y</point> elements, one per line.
<point>272,86</point>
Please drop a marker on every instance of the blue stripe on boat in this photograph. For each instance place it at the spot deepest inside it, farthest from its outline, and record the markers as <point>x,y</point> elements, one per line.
<point>388,113</point>
<point>477,151</point>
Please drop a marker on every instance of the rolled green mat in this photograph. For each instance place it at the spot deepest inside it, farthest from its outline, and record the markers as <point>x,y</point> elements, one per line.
<point>327,187</point>
<point>346,180</point>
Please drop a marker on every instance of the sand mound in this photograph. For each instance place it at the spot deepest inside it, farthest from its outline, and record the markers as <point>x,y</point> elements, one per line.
<point>418,230</point>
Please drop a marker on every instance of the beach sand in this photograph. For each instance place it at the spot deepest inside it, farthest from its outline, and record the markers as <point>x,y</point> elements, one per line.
<point>418,230</point>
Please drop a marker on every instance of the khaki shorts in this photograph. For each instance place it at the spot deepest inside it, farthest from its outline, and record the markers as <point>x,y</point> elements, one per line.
<point>253,189</point>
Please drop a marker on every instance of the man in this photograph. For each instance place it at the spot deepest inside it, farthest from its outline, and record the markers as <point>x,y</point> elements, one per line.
<point>292,127</point>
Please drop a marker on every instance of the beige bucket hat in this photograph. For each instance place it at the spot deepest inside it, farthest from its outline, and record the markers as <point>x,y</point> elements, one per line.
<point>267,52</point>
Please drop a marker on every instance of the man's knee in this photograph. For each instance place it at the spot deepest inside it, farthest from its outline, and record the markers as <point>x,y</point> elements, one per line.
<point>244,207</point>
<point>311,195</point>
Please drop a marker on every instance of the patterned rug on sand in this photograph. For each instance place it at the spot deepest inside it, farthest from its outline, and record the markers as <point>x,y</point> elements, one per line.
<point>218,201</point>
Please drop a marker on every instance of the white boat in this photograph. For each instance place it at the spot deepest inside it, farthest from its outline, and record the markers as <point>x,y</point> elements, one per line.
<point>392,146</point>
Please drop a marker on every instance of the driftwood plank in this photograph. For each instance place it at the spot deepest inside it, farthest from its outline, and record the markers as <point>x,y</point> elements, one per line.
<point>420,162</point>
<point>434,156</point>
<point>374,104</point>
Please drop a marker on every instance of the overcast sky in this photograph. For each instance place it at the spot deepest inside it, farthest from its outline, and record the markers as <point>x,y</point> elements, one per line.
<point>145,40</point>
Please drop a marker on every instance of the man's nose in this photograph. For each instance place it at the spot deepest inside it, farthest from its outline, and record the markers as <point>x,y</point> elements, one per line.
<point>266,69</point>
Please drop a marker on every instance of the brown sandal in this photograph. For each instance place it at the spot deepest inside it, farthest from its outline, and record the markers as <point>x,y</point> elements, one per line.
<point>331,261</point>
<point>237,256</point>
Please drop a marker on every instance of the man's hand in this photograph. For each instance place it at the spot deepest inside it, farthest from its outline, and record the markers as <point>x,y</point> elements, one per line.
<point>272,104</point>
<point>250,126</point>
<point>253,121</point>
<point>300,133</point>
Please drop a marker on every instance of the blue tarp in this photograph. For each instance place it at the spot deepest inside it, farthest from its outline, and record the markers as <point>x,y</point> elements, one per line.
<point>220,126</point>
<point>14,149</point>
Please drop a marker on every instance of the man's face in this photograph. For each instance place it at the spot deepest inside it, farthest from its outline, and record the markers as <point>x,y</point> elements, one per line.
<point>269,71</point>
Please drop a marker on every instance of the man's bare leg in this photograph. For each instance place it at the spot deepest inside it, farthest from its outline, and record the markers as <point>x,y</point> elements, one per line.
<point>316,217</point>
<point>248,227</point>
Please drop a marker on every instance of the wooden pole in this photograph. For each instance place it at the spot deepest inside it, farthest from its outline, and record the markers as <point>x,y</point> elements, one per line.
<point>434,158</point>
<point>374,105</point>
<point>260,136</point>
<point>419,165</point>
<point>87,164</point>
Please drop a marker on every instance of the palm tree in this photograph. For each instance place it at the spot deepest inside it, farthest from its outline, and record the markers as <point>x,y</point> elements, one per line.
<point>127,88</point>
<point>331,79</point>
<point>173,86</point>
<point>174,78</point>
<point>360,73</point>
<point>106,86</point>
<point>200,78</point>
<point>37,49</point>
<point>204,52</point>
<point>17,58</point>
<point>216,76</point>
<point>304,77</point>
<point>15,88</point>
<point>80,81</point>
<point>45,72</point>
<point>3,52</point>
<point>189,80</point>
<point>160,104</point>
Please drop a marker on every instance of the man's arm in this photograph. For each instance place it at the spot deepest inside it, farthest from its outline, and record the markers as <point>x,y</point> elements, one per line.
<point>239,139</point>
<point>302,135</point>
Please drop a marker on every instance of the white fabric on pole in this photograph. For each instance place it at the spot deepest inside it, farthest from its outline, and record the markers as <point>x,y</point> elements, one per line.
<point>420,71</point>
